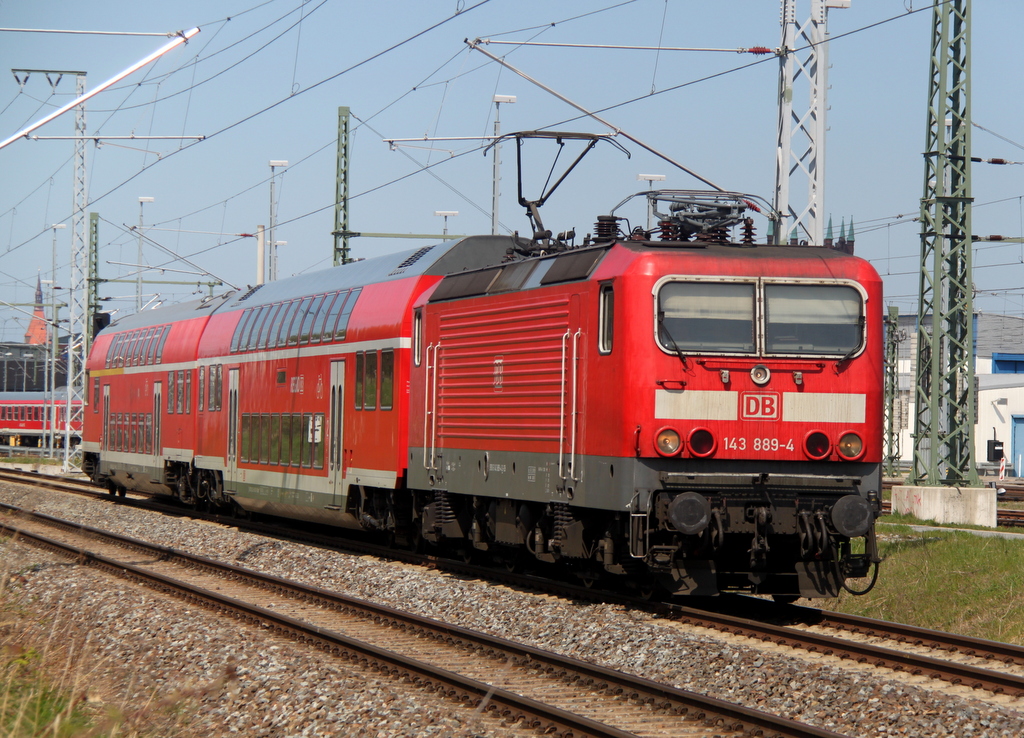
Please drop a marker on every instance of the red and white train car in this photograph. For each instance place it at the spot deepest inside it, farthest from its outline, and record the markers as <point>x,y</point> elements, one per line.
<point>688,412</point>
<point>27,419</point>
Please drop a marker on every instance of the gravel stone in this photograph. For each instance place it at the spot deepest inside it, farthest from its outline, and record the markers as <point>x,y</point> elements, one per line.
<point>245,682</point>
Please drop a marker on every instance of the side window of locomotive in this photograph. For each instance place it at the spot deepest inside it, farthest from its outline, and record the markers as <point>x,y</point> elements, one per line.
<point>811,319</point>
<point>387,379</point>
<point>706,317</point>
<point>417,337</point>
<point>605,315</point>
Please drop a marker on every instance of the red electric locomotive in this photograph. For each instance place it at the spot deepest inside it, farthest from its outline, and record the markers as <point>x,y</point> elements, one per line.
<point>686,412</point>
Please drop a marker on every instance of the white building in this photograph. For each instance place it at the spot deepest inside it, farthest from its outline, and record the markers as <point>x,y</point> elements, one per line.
<point>999,367</point>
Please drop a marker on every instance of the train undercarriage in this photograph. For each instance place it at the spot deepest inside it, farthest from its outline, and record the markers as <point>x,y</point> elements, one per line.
<point>681,542</point>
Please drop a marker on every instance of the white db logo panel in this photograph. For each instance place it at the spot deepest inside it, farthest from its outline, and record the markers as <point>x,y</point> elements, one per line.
<point>760,405</point>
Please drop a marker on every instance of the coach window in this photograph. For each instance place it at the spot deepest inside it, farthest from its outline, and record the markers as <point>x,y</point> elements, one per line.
<point>246,432</point>
<point>417,337</point>
<point>812,319</point>
<point>188,391</point>
<point>308,440</point>
<point>293,331</point>
<point>264,453</point>
<point>181,391</point>
<point>702,317</point>
<point>96,395</point>
<point>327,330</point>
<point>170,391</point>
<point>274,456</point>
<point>298,438</point>
<point>317,440</point>
<point>342,328</point>
<point>160,346</point>
<point>360,377</point>
<point>279,336</point>
<point>317,331</point>
<point>606,314</point>
<point>387,379</point>
<point>308,319</point>
<point>370,383</point>
<point>268,326</point>
<point>286,439</point>
<point>262,315</point>
<point>274,338</point>
<point>240,329</point>
<point>201,393</point>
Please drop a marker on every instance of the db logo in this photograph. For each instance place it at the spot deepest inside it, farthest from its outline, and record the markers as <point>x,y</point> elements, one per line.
<point>760,406</point>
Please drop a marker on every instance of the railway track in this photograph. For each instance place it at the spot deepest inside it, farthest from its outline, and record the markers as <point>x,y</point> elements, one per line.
<point>906,649</point>
<point>556,694</point>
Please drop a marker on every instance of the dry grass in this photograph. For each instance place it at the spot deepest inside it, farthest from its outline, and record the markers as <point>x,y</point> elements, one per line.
<point>54,683</point>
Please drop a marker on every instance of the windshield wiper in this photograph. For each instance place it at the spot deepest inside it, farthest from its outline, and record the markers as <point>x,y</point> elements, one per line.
<point>666,333</point>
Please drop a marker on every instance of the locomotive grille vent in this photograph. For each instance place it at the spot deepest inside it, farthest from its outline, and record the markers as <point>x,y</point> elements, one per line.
<point>413,258</point>
<point>250,293</point>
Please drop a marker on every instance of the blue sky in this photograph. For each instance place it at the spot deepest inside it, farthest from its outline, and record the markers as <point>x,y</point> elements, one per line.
<point>263,81</point>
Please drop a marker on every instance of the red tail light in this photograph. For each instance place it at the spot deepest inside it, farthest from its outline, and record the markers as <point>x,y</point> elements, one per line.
<point>817,445</point>
<point>701,442</point>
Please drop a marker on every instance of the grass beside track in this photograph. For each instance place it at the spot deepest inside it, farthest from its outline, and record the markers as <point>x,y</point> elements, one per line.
<point>944,579</point>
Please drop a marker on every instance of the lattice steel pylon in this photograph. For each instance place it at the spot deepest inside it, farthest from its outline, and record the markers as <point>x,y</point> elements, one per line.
<point>891,459</point>
<point>341,232</point>
<point>945,411</point>
<point>78,316</point>
<point>803,128</point>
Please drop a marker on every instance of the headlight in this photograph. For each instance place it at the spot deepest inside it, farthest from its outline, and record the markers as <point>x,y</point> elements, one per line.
<point>850,445</point>
<point>667,442</point>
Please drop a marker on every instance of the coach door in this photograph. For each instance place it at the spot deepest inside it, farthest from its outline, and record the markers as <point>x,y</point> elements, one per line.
<point>232,473</point>
<point>158,413</point>
<point>336,449</point>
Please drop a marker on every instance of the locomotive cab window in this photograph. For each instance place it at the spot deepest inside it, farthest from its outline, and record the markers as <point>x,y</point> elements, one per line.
<point>812,319</point>
<point>701,317</point>
<point>767,317</point>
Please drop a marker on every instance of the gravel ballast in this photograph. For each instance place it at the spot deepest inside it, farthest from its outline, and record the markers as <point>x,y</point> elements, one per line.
<point>240,680</point>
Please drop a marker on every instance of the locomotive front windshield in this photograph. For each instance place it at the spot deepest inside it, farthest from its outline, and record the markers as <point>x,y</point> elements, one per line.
<point>798,319</point>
